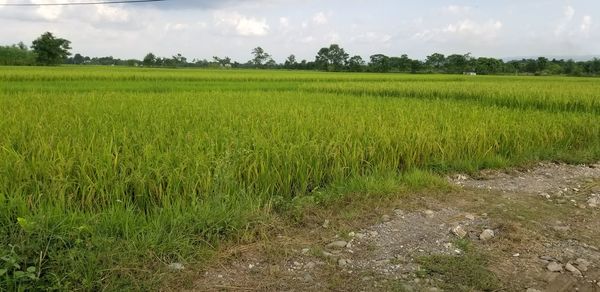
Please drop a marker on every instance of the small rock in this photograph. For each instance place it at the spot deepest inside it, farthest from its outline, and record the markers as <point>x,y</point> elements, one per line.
<point>448,245</point>
<point>176,267</point>
<point>327,254</point>
<point>516,255</point>
<point>555,267</point>
<point>326,224</point>
<point>459,231</point>
<point>546,258</point>
<point>359,235</point>
<point>562,228</point>
<point>545,195</point>
<point>307,278</point>
<point>310,266</point>
<point>582,264</point>
<point>342,262</point>
<point>461,177</point>
<point>386,218</point>
<point>573,270</point>
<point>337,244</point>
<point>470,217</point>
<point>406,287</point>
<point>429,213</point>
<point>594,201</point>
<point>373,233</point>
<point>487,235</point>
<point>305,250</point>
<point>351,234</point>
<point>251,266</point>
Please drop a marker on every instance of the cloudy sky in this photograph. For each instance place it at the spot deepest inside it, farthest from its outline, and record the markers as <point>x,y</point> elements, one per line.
<point>206,28</point>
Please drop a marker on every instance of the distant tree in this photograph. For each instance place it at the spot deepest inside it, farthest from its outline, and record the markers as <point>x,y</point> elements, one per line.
<point>356,64</point>
<point>401,64</point>
<point>271,63</point>
<point>222,61</point>
<point>51,50</point>
<point>78,59</point>
<point>380,63</point>
<point>149,60</point>
<point>415,66</point>
<point>290,62</point>
<point>436,61</point>
<point>260,56</point>
<point>17,55</point>
<point>179,60</point>
<point>542,63</point>
<point>333,58</point>
<point>457,63</point>
<point>22,46</point>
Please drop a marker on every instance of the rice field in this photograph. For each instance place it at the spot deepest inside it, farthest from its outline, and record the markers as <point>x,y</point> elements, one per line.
<point>104,169</point>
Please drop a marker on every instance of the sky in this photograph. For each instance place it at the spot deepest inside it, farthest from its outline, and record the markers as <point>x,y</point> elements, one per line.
<point>205,28</point>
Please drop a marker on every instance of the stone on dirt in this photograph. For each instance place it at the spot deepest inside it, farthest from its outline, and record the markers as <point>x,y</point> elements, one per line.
<point>459,231</point>
<point>555,267</point>
<point>337,244</point>
<point>569,267</point>
<point>487,235</point>
<point>594,201</point>
<point>429,213</point>
<point>582,264</point>
<point>386,218</point>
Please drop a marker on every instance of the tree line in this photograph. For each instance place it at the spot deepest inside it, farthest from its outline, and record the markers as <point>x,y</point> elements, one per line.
<point>50,50</point>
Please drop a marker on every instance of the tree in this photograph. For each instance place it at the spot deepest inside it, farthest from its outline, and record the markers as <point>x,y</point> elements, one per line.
<point>51,50</point>
<point>149,60</point>
<point>356,64</point>
<point>380,63</point>
<point>436,61</point>
<point>78,59</point>
<point>260,56</point>
<point>457,63</point>
<point>223,62</point>
<point>290,62</point>
<point>17,55</point>
<point>179,60</point>
<point>333,58</point>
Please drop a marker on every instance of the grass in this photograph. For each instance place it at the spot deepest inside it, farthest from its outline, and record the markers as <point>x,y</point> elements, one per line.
<point>467,272</point>
<point>107,175</point>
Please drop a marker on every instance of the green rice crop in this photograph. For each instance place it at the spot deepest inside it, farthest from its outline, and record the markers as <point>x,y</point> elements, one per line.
<point>163,163</point>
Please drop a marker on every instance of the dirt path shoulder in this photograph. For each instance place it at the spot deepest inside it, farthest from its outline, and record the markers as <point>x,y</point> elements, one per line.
<point>515,230</point>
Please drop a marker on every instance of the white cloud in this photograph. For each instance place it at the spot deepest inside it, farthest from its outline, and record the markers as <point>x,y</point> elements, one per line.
<point>111,14</point>
<point>457,9</point>
<point>466,29</point>
<point>568,14</point>
<point>371,37</point>
<point>176,26</point>
<point>320,18</point>
<point>284,22</point>
<point>236,23</point>
<point>48,12</point>
<point>586,24</point>
<point>307,39</point>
